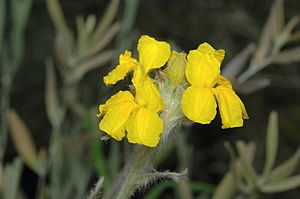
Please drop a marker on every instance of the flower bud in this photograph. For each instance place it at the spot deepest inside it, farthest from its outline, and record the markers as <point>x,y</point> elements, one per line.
<point>175,70</point>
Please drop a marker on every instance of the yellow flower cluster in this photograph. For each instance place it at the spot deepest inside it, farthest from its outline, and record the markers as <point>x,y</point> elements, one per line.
<point>138,115</point>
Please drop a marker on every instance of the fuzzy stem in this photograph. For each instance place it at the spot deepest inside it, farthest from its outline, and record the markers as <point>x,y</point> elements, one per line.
<point>126,183</point>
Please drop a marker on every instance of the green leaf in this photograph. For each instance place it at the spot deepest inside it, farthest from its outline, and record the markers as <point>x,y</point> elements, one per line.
<point>196,187</point>
<point>271,143</point>
<point>106,20</point>
<point>285,35</point>
<point>236,65</point>
<point>20,10</point>
<point>102,42</point>
<point>12,174</point>
<point>96,149</point>
<point>93,63</point>
<point>2,22</point>
<point>284,185</point>
<point>57,16</point>
<point>246,163</point>
<point>84,32</point>
<point>227,188</point>
<point>51,95</point>
<point>271,29</point>
<point>285,169</point>
<point>288,56</point>
<point>23,141</point>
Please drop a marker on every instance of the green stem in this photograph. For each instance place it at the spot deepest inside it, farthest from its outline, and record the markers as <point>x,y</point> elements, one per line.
<point>5,101</point>
<point>126,183</point>
<point>254,69</point>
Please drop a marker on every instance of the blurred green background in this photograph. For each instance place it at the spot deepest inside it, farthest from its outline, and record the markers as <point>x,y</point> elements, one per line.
<point>230,25</point>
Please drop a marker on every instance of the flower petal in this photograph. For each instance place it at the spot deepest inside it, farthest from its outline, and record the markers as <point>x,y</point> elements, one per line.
<point>125,66</point>
<point>118,98</point>
<point>144,127</point>
<point>224,82</point>
<point>152,53</point>
<point>203,66</point>
<point>199,104</point>
<point>116,113</point>
<point>231,108</point>
<point>206,48</point>
<point>146,93</point>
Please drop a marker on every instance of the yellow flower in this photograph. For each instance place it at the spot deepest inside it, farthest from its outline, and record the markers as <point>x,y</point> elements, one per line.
<point>122,113</point>
<point>138,116</point>
<point>153,54</point>
<point>208,86</point>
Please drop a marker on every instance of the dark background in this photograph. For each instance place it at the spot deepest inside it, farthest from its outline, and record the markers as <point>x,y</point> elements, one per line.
<point>230,25</point>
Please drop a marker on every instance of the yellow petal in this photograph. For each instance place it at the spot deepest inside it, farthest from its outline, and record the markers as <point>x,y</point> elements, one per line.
<point>116,113</point>
<point>144,127</point>
<point>125,66</point>
<point>206,48</point>
<point>152,53</point>
<point>223,82</point>
<point>147,94</point>
<point>199,104</point>
<point>244,112</point>
<point>202,68</point>
<point>120,97</point>
<point>231,108</point>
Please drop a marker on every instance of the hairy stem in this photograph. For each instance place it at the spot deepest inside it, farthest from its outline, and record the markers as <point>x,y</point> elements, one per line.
<point>137,164</point>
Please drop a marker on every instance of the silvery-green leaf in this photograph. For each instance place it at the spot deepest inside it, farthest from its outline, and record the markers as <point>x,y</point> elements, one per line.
<point>23,141</point>
<point>234,67</point>
<point>2,22</point>
<point>92,63</point>
<point>271,143</point>
<point>106,20</point>
<point>103,42</point>
<point>57,16</point>
<point>51,95</point>
<point>227,188</point>
<point>270,31</point>
<point>285,35</point>
<point>285,169</point>
<point>284,185</point>
<point>246,163</point>
<point>11,176</point>
<point>288,56</point>
<point>19,15</point>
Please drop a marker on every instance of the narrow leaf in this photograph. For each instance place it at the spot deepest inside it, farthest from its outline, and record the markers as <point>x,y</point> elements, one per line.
<point>12,174</point>
<point>93,63</point>
<point>284,35</point>
<point>285,169</point>
<point>102,42</point>
<point>288,56</point>
<point>196,187</point>
<point>51,95</point>
<point>57,16</point>
<point>84,32</point>
<point>23,141</point>
<point>271,143</point>
<point>253,85</point>
<point>235,66</point>
<point>269,32</point>
<point>246,163</point>
<point>2,22</point>
<point>284,185</point>
<point>19,15</point>
<point>227,188</point>
<point>106,20</point>
<point>295,37</point>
